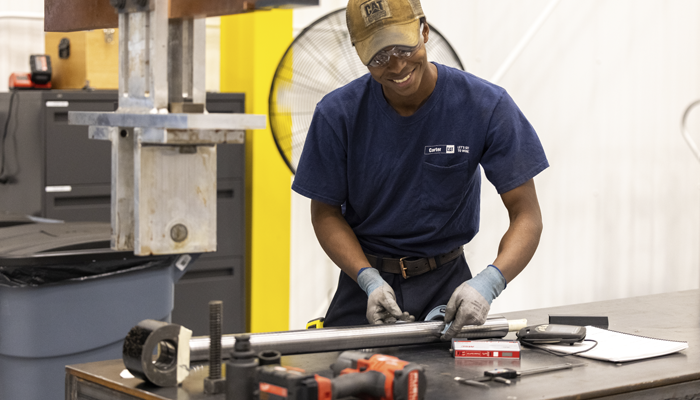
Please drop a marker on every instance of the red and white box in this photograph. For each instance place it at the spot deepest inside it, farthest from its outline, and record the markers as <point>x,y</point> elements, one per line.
<point>508,349</point>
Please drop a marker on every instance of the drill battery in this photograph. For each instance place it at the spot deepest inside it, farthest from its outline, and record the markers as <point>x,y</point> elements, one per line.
<point>283,383</point>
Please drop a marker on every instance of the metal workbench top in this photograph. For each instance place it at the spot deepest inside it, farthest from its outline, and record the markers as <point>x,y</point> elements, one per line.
<point>672,316</point>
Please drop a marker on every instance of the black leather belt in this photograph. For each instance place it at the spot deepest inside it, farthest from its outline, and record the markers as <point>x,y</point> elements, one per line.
<point>412,266</point>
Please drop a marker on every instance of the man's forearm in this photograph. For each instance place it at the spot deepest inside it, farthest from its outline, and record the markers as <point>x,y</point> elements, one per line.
<point>337,238</point>
<point>520,241</point>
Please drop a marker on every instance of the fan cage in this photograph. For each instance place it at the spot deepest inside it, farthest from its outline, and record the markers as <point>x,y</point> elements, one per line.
<point>319,60</point>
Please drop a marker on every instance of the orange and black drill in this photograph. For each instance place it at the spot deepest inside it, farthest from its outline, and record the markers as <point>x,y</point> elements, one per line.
<point>368,376</point>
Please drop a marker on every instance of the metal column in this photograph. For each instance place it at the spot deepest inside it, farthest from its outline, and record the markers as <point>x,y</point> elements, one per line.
<point>163,142</point>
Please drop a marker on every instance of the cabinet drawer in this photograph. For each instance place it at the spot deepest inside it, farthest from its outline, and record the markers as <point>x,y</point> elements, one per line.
<point>195,290</point>
<point>80,203</point>
<point>71,157</point>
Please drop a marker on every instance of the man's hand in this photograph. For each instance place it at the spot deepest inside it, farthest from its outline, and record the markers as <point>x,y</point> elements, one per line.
<point>382,307</point>
<point>381,304</point>
<point>471,301</point>
<point>466,307</point>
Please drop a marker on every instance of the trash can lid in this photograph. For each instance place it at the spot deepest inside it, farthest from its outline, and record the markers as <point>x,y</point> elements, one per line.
<point>49,243</point>
<point>12,219</point>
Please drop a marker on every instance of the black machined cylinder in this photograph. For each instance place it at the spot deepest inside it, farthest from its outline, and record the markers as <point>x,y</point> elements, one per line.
<point>269,357</point>
<point>142,342</point>
<point>241,371</point>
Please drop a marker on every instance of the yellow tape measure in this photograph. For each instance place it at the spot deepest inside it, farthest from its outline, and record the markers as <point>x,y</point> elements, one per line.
<point>315,323</point>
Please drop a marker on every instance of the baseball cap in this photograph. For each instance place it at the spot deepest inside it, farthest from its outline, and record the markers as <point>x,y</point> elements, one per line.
<point>376,24</point>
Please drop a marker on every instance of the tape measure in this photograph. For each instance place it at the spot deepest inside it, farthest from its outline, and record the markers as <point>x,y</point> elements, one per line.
<point>315,323</point>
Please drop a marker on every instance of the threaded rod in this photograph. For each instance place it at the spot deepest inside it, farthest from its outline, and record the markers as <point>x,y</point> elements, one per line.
<point>215,322</point>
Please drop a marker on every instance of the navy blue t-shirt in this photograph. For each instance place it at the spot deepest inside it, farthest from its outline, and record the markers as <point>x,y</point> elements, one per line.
<point>411,185</point>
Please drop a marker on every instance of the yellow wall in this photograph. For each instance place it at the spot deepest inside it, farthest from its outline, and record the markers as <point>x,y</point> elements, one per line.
<point>92,59</point>
<point>252,45</point>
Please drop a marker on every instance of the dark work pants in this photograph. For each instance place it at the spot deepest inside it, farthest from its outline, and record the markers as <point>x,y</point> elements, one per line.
<point>417,295</point>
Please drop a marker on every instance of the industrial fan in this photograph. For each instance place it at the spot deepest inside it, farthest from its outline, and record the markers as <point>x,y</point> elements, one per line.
<point>320,60</point>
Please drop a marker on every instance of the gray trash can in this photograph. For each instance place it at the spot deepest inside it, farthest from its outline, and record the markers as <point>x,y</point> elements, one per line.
<point>66,298</point>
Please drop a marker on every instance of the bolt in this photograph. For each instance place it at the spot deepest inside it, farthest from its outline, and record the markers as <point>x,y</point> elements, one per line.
<point>215,316</point>
<point>178,232</point>
<point>214,383</point>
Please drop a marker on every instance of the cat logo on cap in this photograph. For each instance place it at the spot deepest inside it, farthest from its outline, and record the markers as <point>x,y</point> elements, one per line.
<point>375,10</point>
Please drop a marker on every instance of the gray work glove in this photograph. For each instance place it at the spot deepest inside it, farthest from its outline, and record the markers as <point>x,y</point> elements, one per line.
<point>471,301</point>
<point>381,303</point>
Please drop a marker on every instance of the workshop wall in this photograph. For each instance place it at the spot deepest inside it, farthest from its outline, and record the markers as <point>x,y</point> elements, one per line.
<point>313,276</point>
<point>605,84</point>
<point>21,35</point>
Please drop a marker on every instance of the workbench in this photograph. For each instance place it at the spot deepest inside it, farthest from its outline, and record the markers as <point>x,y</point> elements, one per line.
<point>672,316</point>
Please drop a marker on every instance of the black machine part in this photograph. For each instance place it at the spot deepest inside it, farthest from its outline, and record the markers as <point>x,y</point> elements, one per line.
<point>40,65</point>
<point>64,48</point>
<point>269,357</point>
<point>241,371</point>
<point>551,334</point>
<point>142,342</point>
<point>507,373</point>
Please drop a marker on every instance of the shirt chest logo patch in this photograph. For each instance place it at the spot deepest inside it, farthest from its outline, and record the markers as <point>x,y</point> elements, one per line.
<point>445,149</point>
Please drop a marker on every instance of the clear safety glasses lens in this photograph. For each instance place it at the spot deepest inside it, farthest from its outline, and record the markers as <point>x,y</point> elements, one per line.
<point>382,58</point>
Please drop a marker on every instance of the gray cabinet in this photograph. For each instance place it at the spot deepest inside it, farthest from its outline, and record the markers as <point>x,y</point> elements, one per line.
<point>55,171</point>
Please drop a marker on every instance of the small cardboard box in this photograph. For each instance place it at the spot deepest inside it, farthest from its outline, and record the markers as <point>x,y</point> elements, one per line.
<point>93,59</point>
<point>485,349</point>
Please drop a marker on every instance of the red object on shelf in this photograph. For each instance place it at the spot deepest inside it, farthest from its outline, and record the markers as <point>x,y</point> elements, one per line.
<point>22,80</point>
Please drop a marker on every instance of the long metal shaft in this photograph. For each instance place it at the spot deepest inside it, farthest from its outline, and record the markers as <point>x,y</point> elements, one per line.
<point>360,337</point>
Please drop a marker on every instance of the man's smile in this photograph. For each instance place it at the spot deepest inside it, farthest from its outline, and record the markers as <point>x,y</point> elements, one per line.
<point>403,79</point>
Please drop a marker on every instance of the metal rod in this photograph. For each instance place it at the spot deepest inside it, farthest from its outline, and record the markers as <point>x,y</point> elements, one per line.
<point>215,317</point>
<point>359,337</point>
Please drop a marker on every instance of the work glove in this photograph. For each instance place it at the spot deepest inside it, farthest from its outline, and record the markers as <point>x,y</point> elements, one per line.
<point>471,301</point>
<point>381,302</point>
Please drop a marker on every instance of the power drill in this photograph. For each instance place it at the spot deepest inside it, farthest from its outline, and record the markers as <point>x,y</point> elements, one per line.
<point>370,376</point>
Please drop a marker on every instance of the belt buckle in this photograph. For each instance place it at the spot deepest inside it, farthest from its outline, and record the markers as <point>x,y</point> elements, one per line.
<point>403,267</point>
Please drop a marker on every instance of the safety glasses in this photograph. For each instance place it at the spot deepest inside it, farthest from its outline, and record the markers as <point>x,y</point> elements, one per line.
<point>382,58</point>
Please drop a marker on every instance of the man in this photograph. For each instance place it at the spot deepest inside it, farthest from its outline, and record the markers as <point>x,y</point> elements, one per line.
<point>392,166</point>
